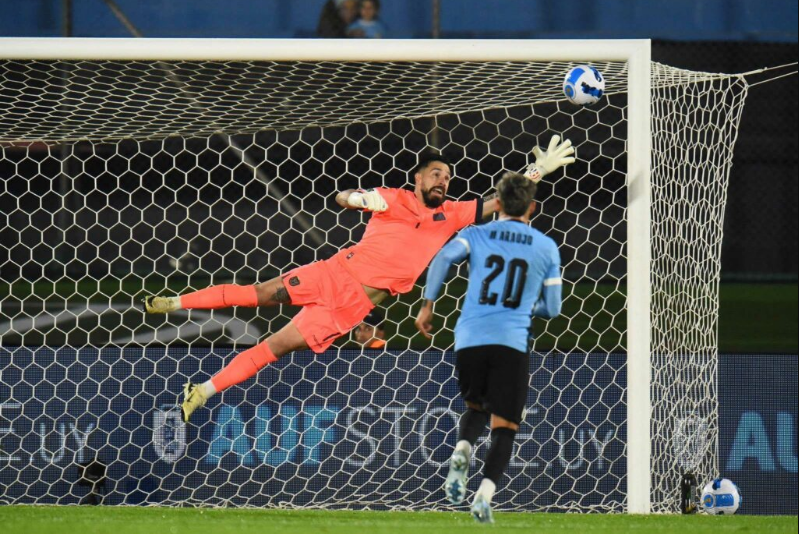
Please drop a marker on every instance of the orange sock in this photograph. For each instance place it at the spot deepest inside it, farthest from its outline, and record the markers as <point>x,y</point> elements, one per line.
<point>222,296</point>
<point>243,366</point>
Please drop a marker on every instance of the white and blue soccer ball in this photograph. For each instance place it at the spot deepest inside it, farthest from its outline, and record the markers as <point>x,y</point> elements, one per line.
<point>720,497</point>
<point>584,85</point>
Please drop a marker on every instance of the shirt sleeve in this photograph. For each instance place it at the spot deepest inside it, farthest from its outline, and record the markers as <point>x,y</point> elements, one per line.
<point>467,212</point>
<point>455,251</point>
<point>553,271</point>
<point>548,305</point>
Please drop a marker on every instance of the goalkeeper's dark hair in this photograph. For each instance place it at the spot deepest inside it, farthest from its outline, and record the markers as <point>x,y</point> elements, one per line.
<point>516,193</point>
<point>428,157</point>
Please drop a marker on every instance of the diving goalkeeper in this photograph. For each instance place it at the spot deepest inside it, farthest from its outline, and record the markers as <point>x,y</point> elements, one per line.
<point>406,230</point>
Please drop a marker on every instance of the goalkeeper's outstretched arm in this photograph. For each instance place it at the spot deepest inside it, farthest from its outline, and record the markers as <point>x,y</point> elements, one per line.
<point>354,199</point>
<point>556,155</point>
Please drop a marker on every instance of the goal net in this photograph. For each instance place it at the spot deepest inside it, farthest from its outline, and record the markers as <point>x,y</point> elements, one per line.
<point>126,177</point>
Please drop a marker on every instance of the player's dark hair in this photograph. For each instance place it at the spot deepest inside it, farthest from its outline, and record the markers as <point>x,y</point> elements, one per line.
<point>375,319</point>
<point>429,157</point>
<point>516,193</point>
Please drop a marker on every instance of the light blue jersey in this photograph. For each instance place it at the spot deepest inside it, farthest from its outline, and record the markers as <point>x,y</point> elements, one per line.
<point>514,274</point>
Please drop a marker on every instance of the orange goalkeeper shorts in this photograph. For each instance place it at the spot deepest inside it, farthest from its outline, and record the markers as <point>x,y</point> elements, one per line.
<point>333,302</point>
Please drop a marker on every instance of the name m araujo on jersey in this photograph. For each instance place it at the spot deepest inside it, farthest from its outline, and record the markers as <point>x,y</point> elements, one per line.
<point>512,237</point>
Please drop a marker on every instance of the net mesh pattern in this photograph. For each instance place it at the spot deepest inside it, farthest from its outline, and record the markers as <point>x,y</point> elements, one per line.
<point>126,178</point>
<point>695,125</point>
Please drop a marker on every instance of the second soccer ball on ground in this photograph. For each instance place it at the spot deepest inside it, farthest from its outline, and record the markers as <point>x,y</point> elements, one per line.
<point>720,497</point>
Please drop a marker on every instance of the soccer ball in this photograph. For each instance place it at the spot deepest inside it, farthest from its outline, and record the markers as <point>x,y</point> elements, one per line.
<point>584,85</point>
<point>720,497</point>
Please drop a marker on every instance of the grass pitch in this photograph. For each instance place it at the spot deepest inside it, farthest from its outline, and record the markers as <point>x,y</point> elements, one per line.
<point>124,520</point>
<point>753,318</point>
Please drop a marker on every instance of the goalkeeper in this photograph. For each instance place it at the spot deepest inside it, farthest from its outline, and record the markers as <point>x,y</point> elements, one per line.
<point>514,272</point>
<point>405,231</point>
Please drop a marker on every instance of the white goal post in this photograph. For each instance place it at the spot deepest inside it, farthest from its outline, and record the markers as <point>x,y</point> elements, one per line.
<point>633,64</point>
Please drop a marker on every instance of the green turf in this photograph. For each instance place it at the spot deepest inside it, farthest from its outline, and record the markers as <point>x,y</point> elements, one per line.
<point>754,318</point>
<point>121,520</point>
<point>592,320</point>
<point>759,318</point>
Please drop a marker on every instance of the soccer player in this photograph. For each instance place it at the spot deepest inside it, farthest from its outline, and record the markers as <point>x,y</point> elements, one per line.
<point>371,333</point>
<point>405,231</point>
<point>514,274</point>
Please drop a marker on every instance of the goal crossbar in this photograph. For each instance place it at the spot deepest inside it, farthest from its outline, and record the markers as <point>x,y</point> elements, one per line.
<point>422,50</point>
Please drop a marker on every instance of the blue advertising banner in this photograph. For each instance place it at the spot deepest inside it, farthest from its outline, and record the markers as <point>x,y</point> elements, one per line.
<point>354,429</point>
<point>348,429</point>
<point>757,430</point>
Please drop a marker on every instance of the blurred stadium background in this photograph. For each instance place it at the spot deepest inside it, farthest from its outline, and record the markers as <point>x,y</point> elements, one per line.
<point>758,314</point>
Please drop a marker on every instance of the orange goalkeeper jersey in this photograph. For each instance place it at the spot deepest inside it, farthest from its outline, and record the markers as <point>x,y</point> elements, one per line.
<point>399,243</point>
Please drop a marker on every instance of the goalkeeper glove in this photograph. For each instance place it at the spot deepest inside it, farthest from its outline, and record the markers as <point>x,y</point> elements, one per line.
<point>368,200</point>
<point>556,156</point>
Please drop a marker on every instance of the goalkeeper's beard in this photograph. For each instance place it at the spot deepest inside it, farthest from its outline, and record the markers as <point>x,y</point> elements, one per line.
<point>432,202</point>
